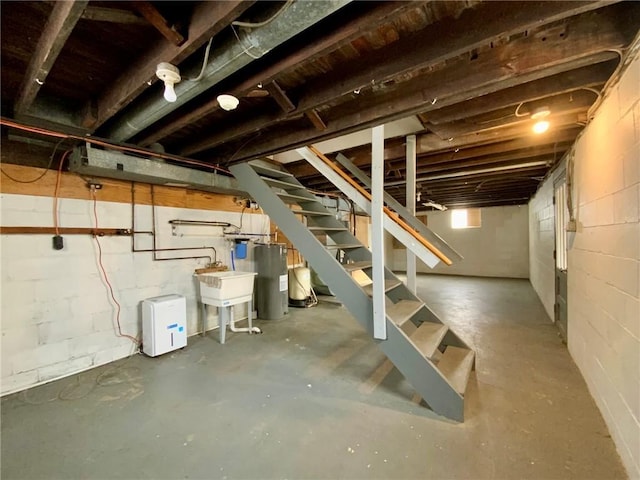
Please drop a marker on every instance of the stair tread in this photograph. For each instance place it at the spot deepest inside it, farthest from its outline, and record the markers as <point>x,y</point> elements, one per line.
<point>344,246</point>
<point>271,172</point>
<point>456,365</point>
<point>389,284</point>
<point>428,336</point>
<point>403,310</point>
<point>315,228</point>
<point>295,197</point>
<point>351,267</point>
<point>313,213</point>
<point>278,182</point>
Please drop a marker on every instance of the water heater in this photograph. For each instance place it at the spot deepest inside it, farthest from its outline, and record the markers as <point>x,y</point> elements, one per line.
<point>272,283</point>
<point>164,324</point>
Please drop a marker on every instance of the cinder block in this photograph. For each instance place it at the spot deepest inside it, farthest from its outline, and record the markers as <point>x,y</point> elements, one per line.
<point>83,307</point>
<point>134,296</point>
<point>40,356</point>
<point>58,370</point>
<point>103,321</point>
<point>627,89</point>
<point>627,204</point>
<point>51,311</point>
<point>631,163</point>
<point>63,329</point>
<point>623,273</point>
<point>91,344</point>
<point>19,381</point>
<point>71,206</point>
<point>125,349</point>
<point>10,201</point>
<point>102,357</point>
<point>605,211</point>
<point>15,340</point>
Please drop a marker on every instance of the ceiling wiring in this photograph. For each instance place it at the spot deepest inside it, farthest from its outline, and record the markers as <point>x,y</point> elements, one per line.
<point>46,170</point>
<point>204,63</point>
<point>264,22</point>
<point>106,277</point>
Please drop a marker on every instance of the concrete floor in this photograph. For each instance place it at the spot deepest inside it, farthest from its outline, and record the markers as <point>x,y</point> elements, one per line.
<point>307,400</point>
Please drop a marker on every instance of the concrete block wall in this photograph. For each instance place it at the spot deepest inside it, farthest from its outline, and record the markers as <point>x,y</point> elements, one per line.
<point>604,262</point>
<point>499,248</point>
<point>57,315</point>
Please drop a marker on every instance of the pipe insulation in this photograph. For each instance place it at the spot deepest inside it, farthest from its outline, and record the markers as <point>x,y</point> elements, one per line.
<point>225,60</point>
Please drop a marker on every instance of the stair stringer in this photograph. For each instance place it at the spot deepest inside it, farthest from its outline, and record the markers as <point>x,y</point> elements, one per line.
<point>420,371</point>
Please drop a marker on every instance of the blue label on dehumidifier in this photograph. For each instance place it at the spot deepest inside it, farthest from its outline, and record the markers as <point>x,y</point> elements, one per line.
<point>173,325</point>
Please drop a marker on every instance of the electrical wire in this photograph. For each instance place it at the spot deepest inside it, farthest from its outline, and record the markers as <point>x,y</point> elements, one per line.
<point>517,114</point>
<point>103,143</point>
<point>241,215</point>
<point>106,277</point>
<point>56,214</point>
<point>246,50</point>
<point>612,78</point>
<point>204,63</point>
<point>264,22</point>
<point>46,170</point>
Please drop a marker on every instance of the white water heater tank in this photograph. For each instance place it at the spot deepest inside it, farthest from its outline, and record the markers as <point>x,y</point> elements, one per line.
<point>299,283</point>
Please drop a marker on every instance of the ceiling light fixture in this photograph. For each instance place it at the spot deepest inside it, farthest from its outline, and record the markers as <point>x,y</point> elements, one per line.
<point>170,75</point>
<point>227,102</point>
<point>540,115</point>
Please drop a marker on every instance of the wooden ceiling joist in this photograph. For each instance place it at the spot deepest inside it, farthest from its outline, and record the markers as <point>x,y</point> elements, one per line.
<point>160,23</point>
<point>345,33</point>
<point>208,19</point>
<point>589,76</point>
<point>112,15</point>
<point>60,24</point>
<point>578,47</point>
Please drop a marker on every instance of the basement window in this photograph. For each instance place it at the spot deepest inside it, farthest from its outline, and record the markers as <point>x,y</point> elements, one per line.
<point>466,218</point>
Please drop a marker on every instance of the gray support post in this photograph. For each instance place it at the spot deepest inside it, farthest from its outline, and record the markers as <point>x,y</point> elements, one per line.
<point>411,207</point>
<point>377,231</point>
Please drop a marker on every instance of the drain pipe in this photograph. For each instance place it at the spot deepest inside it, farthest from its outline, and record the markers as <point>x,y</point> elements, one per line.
<point>228,58</point>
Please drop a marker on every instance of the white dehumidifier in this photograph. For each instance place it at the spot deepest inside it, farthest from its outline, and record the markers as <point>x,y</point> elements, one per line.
<point>164,324</point>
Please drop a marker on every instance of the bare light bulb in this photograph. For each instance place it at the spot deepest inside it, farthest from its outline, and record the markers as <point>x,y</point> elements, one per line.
<point>540,114</point>
<point>169,92</point>
<point>170,75</point>
<point>540,127</point>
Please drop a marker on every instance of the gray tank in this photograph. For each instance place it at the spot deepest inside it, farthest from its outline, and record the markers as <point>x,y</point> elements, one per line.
<point>272,290</point>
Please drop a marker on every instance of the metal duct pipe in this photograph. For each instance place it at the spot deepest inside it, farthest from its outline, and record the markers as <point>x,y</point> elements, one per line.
<point>227,59</point>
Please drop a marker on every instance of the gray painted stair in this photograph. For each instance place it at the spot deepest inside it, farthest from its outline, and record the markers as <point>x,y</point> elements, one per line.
<point>416,338</point>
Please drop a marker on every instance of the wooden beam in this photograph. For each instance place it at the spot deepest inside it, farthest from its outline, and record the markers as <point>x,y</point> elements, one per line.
<point>99,232</point>
<point>209,18</point>
<point>55,33</point>
<point>315,118</point>
<point>446,39</point>
<point>586,39</point>
<point>589,76</point>
<point>380,12</point>
<point>450,85</point>
<point>393,155</point>
<point>280,96</point>
<point>524,125</point>
<point>155,18</point>
<point>112,15</point>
